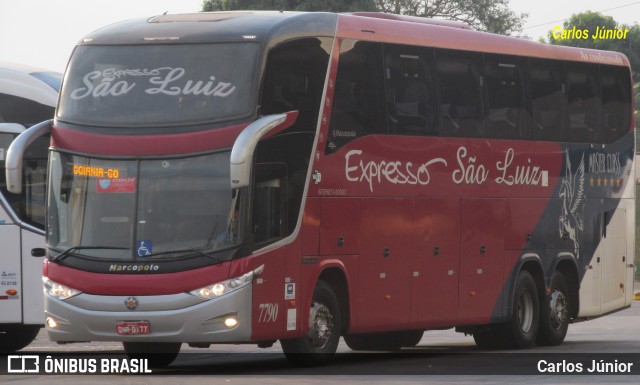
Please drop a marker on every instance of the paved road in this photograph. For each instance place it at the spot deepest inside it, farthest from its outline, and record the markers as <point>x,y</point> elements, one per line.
<point>441,357</point>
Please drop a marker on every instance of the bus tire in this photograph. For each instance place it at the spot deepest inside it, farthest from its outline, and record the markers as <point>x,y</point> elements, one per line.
<point>522,329</point>
<point>158,354</point>
<point>321,341</point>
<point>16,337</point>
<point>358,341</point>
<point>554,313</point>
<point>486,339</point>
<point>410,338</point>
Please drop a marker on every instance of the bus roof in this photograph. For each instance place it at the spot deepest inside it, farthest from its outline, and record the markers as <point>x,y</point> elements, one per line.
<point>273,27</point>
<point>31,83</point>
<point>210,27</point>
<point>381,28</point>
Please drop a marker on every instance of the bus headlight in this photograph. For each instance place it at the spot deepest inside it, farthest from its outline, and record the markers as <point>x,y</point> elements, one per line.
<point>57,290</point>
<point>225,287</point>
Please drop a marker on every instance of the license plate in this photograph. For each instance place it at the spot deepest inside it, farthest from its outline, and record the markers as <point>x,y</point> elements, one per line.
<point>132,328</point>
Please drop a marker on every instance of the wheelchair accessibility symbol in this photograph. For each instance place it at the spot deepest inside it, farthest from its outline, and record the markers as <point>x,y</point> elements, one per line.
<point>144,248</point>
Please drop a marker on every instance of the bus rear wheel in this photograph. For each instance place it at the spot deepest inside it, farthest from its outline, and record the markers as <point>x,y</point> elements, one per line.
<point>157,354</point>
<point>321,341</point>
<point>554,314</point>
<point>486,339</point>
<point>521,330</point>
<point>16,337</point>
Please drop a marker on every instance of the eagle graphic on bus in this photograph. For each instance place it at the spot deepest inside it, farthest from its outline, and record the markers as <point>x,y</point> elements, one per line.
<point>572,191</point>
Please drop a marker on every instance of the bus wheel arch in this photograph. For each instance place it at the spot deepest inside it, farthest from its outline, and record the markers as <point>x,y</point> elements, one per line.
<point>325,320</point>
<point>337,280</point>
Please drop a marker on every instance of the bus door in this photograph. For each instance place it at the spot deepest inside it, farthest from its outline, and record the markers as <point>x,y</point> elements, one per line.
<point>608,285</point>
<point>614,261</point>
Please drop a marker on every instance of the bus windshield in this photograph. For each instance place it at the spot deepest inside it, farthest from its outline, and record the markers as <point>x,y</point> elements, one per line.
<point>124,209</point>
<point>158,85</point>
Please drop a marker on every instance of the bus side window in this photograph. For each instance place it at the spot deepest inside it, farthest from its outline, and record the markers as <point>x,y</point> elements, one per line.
<point>459,78</point>
<point>269,203</point>
<point>294,79</point>
<point>358,102</point>
<point>616,108</point>
<point>584,103</point>
<point>548,102</point>
<point>410,88</point>
<point>507,114</point>
<point>14,109</point>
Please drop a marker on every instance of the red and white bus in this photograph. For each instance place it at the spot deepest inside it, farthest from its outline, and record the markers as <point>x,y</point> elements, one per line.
<point>261,176</point>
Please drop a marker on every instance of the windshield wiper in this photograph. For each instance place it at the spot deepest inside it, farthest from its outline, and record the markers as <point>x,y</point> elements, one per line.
<point>191,250</point>
<point>70,250</point>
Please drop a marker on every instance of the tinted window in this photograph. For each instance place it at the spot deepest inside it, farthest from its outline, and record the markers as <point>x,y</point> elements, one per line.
<point>616,101</point>
<point>410,86</point>
<point>459,90</point>
<point>159,84</point>
<point>358,101</point>
<point>14,109</point>
<point>584,103</point>
<point>294,80</point>
<point>548,102</point>
<point>506,111</point>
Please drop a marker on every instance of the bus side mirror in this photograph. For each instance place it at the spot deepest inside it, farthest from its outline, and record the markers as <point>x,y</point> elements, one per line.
<point>16,151</point>
<point>246,143</point>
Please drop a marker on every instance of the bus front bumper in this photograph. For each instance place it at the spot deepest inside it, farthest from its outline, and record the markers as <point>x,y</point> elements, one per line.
<point>170,318</point>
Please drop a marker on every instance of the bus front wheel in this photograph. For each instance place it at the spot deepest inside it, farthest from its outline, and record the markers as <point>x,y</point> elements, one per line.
<point>16,337</point>
<point>157,354</point>
<point>320,343</point>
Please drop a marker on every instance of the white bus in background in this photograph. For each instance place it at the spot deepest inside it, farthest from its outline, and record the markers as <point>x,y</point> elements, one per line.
<point>27,96</point>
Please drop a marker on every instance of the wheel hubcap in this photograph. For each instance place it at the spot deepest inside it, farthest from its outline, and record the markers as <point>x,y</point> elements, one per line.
<point>525,311</point>
<point>320,325</point>
<point>558,313</point>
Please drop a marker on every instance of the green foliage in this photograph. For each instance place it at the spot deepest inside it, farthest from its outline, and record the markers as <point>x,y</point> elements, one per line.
<point>590,21</point>
<point>289,5</point>
<point>485,15</point>
<point>636,92</point>
<point>629,46</point>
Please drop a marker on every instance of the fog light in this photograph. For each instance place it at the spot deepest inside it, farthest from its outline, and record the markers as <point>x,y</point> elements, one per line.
<point>51,323</point>
<point>231,322</point>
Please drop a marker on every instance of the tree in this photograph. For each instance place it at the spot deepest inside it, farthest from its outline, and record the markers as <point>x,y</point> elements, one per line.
<point>636,91</point>
<point>630,46</point>
<point>290,5</point>
<point>485,15</point>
